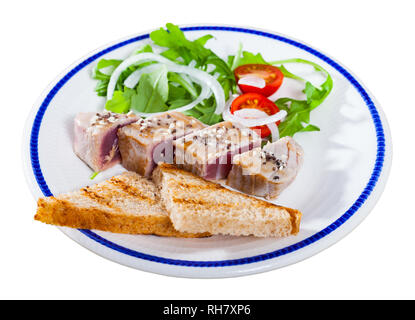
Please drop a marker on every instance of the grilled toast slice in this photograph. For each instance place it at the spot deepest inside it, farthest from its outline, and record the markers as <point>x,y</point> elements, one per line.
<point>127,203</point>
<point>196,205</point>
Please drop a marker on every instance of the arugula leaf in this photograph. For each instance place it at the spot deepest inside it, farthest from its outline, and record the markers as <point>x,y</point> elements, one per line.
<point>207,112</point>
<point>101,88</point>
<point>189,87</point>
<point>179,102</point>
<point>202,40</point>
<point>120,102</point>
<point>177,92</point>
<point>234,61</point>
<point>210,117</point>
<point>289,74</point>
<point>98,71</point>
<point>248,58</point>
<point>145,48</point>
<point>298,111</point>
<point>102,72</point>
<point>152,92</point>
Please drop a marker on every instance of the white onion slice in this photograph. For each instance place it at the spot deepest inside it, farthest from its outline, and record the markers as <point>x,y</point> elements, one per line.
<point>264,120</point>
<point>253,81</point>
<point>255,113</point>
<point>275,133</point>
<point>203,78</point>
<point>192,63</point>
<point>186,78</point>
<point>210,68</point>
<point>250,113</point>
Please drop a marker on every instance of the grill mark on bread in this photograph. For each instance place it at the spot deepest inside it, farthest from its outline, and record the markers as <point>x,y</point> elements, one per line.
<point>205,204</point>
<point>212,186</point>
<point>102,199</point>
<point>130,190</point>
<point>87,192</point>
<point>217,187</point>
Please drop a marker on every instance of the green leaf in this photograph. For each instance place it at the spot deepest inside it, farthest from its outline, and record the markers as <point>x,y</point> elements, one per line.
<point>152,92</point>
<point>234,61</point>
<point>202,40</point>
<point>231,59</point>
<point>207,112</point>
<point>145,48</point>
<point>101,88</point>
<point>211,118</point>
<point>177,92</point>
<point>189,87</point>
<point>107,65</point>
<point>309,128</point>
<point>193,113</point>
<point>298,117</point>
<point>248,58</point>
<point>179,102</point>
<point>119,103</point>
<point>289,74</point>
<point>159,81</point>
<point>93,175</point>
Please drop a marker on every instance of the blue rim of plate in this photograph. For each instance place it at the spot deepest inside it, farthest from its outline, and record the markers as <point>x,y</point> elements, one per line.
<point>380,155</point>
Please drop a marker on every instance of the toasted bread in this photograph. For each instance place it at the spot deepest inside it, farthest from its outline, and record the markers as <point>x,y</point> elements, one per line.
<point>196,205</point>
<point>127,203</point>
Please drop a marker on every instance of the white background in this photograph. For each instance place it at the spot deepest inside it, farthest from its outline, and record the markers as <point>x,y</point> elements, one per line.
<point>375,39</point>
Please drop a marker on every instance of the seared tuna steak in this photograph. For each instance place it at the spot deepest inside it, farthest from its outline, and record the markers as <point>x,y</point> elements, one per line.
<point>148,141</point>
<point>267,172</point>
<point>208,153</point>
<point>95,138</point>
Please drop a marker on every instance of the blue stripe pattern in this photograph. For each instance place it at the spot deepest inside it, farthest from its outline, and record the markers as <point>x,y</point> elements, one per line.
<point>380,155</point>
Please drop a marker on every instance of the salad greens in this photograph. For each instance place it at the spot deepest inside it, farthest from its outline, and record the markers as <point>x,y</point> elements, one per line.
<point>161,90</point>
<point>152,92</point>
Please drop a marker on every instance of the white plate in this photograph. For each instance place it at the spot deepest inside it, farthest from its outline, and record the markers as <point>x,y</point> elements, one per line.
<point>345,167</point>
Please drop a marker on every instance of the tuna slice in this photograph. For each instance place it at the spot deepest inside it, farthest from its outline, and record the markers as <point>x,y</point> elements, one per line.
<point>95,138</point>
<point>209,152</point>
<point>267,172</point>
<point>148,141</point>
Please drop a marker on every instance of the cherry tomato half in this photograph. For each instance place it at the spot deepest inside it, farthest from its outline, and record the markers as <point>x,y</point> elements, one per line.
<point>272,75</point>
<point>256,101</point>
